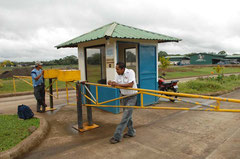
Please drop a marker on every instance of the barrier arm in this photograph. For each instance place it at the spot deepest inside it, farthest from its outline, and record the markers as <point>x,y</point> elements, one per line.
<point>156,93</point>
<point>172,93</point>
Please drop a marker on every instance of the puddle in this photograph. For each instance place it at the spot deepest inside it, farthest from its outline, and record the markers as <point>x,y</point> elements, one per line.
<point>58,107</point>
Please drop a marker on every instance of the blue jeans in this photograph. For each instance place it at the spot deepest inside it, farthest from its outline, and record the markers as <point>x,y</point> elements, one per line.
<point>126,118</point>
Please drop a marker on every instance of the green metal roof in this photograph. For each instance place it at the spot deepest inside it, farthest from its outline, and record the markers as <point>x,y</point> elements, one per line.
<point>232,57</point>
<point>115,30</point>
<point>177,57</point>
<point>203,53</point>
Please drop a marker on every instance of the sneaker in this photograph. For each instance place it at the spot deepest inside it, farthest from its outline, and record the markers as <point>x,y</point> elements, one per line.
<point>113,141</point>
<point>127,135</point>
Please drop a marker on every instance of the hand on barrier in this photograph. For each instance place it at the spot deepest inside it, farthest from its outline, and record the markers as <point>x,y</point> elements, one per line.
<point>83,82</point>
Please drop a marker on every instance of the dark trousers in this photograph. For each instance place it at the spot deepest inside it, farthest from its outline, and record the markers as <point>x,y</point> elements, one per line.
<point>39,93</point>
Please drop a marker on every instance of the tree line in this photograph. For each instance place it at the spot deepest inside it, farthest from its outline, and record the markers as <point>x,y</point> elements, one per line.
<point>164,53</point>
<point>68,60</point>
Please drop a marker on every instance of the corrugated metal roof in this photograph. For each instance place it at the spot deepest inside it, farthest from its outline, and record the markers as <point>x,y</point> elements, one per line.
<point>180,57</point>
<point>203,53</point>
<point>232,56</point>
<point>116,30</point>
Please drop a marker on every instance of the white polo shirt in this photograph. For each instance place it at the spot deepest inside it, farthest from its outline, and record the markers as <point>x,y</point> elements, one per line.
<point>127,77</point>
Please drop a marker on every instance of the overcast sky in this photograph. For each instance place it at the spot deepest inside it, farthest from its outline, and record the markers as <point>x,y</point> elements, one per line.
<point>29,29</point>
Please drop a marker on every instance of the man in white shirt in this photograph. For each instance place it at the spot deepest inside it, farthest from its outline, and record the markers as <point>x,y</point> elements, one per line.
<point>125,78</point>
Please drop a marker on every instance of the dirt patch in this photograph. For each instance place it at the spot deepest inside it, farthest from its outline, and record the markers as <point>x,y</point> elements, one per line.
<point>16,72</point>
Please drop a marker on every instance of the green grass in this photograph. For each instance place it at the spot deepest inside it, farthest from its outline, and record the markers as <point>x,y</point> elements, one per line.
<point>186,71</point>
<point>209,85</point>
<point>94,73</point>
<point>22,86</point>
<point>6,85</point>
<point>13,130</point>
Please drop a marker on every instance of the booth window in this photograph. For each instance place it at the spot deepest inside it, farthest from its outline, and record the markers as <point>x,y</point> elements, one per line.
<point>130,59</point>
<point>96,64</point>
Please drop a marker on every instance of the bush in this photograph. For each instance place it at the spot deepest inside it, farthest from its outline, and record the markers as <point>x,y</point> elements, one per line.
<point>1,84</point>
<point>202,86</point>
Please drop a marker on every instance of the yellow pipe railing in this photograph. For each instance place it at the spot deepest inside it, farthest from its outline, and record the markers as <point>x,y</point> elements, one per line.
<point>111,100</point>
<point>171,93</point>
<point>30,83</point>
<point>161,94</point>
<point>96,94</point>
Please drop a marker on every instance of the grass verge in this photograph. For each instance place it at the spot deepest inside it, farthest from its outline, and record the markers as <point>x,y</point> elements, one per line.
<point>13,130</point>
<point>22,86</point>
<point>174,72</point>
<point>210,85</point>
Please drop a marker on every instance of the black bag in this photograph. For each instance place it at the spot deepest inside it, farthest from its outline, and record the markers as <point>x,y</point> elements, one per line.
<point>24,112</point>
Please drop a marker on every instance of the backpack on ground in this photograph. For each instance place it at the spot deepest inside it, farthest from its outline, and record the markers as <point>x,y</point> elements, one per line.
<point>24,112</point>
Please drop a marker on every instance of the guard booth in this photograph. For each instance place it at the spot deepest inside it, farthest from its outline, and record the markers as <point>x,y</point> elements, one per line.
<point>100,50</point>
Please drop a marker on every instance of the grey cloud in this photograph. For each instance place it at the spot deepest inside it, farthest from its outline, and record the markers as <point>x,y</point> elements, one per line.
<point>29,27</point>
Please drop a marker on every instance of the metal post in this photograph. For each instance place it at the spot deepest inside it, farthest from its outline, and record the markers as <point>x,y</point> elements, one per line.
<point>67,92</point>
<point>57,88</point>
<point>89,109</point>
<point>14,85</point>
<point>218,105</point>
<point>141,99</point>
<point>79,105</point>
<point>51,93</point>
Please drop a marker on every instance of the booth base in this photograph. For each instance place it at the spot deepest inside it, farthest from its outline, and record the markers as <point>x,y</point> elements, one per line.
<point>86,127</point>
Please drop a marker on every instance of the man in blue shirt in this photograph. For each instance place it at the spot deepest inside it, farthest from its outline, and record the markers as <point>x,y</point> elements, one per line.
<point>39,88</point>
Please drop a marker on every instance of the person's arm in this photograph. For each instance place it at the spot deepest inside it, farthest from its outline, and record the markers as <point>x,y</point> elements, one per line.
<point>122,85</point>
<point>36,78</point>
<point>114,81</point>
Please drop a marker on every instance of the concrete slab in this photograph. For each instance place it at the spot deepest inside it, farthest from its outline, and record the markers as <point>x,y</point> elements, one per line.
<point>160,133</point>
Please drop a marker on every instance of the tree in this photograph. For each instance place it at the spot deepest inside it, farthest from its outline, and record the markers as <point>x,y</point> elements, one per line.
<point>164,63</point>
<point>1,84</point>
<point>219,69</point>
<point>94,59</point>
<point>222,52</point>
<point>68,60</point>
<point>130,57</point>
<point>6,63</point>
<point>162,53</point>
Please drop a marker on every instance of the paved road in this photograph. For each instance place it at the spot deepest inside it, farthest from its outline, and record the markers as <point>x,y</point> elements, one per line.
<point>160,133</point>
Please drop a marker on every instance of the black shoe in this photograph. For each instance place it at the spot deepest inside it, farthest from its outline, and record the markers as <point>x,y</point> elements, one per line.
<point>113,141</point>
<point>127,136</point>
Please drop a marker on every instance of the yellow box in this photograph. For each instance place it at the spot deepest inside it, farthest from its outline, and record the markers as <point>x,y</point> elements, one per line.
<point>51,73</point>
<point>69,75</point>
